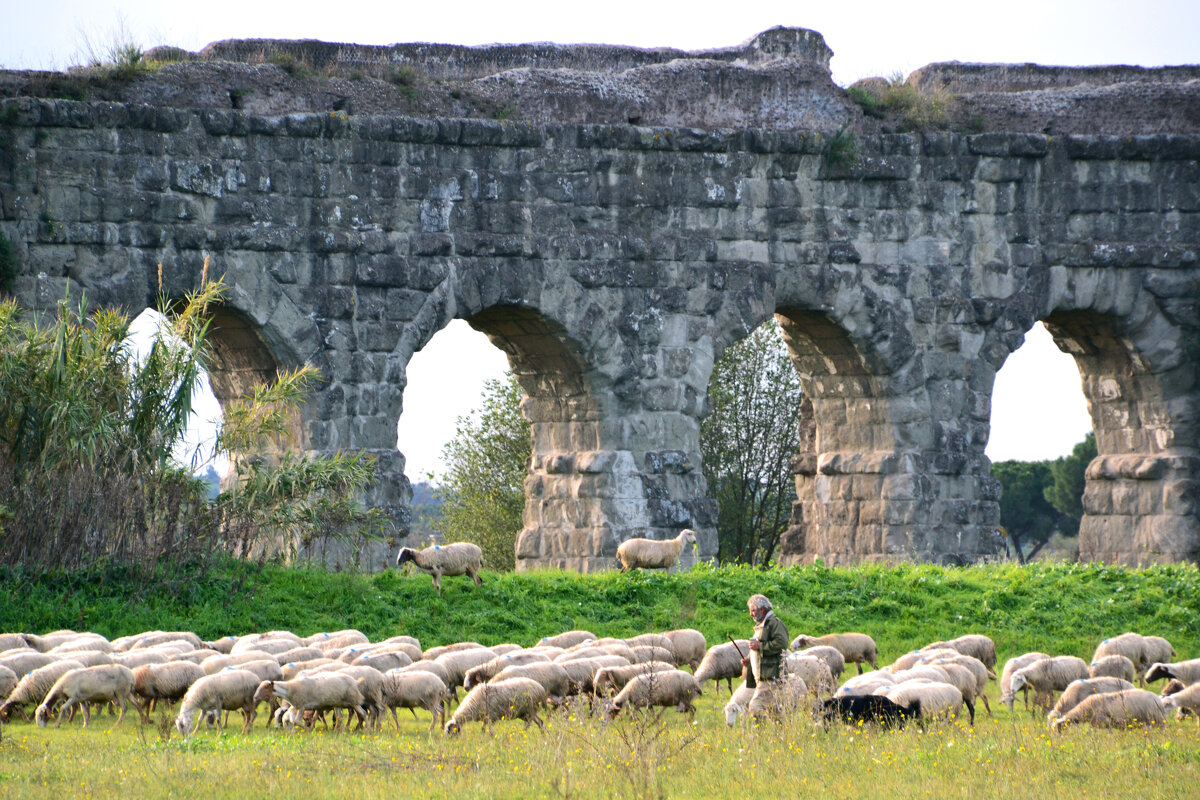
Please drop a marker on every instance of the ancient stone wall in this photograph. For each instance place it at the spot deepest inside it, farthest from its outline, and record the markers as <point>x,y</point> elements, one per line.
<point>615,263</point>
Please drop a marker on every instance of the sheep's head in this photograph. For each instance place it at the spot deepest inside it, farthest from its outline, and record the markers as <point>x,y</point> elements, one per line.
<point>405,555</point>
<point>1158,670</point>
<point>42,715</point>
<point>453,728</point>
<point>1174,686</point>
<point>183,723</point>
<point>265,690</point>
<point>688,536</point>
<point>802,642</point>
<point>1019,682</point>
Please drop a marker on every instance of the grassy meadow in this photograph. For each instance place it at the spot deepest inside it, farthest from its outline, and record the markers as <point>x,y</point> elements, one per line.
<point>1058,608</point>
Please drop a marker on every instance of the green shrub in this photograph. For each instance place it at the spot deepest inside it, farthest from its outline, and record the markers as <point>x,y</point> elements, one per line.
<point>8,263</point>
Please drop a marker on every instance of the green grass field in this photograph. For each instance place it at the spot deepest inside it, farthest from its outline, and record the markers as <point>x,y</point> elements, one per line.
<point>1057,608</point>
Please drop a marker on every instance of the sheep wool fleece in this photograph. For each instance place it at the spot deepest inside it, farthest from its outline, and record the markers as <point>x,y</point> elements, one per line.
<point>774,637</point>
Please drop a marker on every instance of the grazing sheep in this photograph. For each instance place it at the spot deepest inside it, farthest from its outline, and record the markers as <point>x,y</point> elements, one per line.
<point>441,650</point>
<point>214,664</point>
<point>739,701</point>
<point>1184,698</point>
<point>815,672</point>
<point>554,677</point>
<point>382,662</point>
<point>914,657</point>
<point>964,680</point>
<point>194,656</point>
<point>973,665</point>
<point>415,690</point>
<point>8,681</point>
<point>867,709</point>
<point>922,672</point>
<point>85,641</point>
<point>856,647</point>
<point>222,645</point>
<point>23,662</point>
<point>1086,687</point>
<point>301,653</point>
<point>582,672</point>
<point>1186,672</point>
<point>327,642</point>
<point>653,553</point>
<point>1048,676</point>
<point>1128,644</point>
<point>294,668</point>
<point>1007,693</point>
<point>139,658</point>
<point>267,669</point>
<point>927,699</point>
<point>403,638</point>
<point>671,688</point>
<point>644,653</point>
<point>1124,709</point>
<point>831,656</point>
<point>972,644</point>
<point>48,641</point>
<point>159,638</point>
<point>269,646</point>
<point>316,693</point>
<point>110,683</point>
<point>458,558</point>
<point>621,651</point>
<point>223,691</point>
<point>1113,667</point>
<point>722,662</point>
<point>488,670</point>
<point>457,664</point>
<point>33,686</point>
<point>613,679</point>
<point>431,667</point>
<point>1156,649</point>
<point>787,697</point>
<point>689,646</point>
<point>370,684</point>
<point>517,698</point>
<point>866,683</point>
<point>567,639</point>
<point>89,658</point>
<point>168,682</point>
<point>651,639</point>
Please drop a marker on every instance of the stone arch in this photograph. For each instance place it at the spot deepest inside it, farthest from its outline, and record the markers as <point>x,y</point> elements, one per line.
<point>1142,491</point>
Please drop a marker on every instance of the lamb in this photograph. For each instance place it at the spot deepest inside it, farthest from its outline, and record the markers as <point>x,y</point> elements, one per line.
<point>554,677</point>
<point>415,690</point>
<point>722,662</point>
<point>1048,676</point>
<point>615,678</point>
<point>453,559</point>
<point>1007,693</point>
<point>928,700</point>
<point>1115,667</point>
<point>1186,672</point>
<point>865,709</point>
<point>223,691</point>
<point>169,682</point>
<point>1185,698</point>
<point>488,670</point>
<point>33,686</point>
<point>689,646</point>
<point>1122,709</point>
<point>567,639</point>
<point>315,693</point>
<point>652,553</point>
<point>517,698</point>
<point>1074,694</point>
<point>831,656</point>
<point>856,647</point>
<point>972,644</point>
<point>672,688</point>
<point>108,683</point>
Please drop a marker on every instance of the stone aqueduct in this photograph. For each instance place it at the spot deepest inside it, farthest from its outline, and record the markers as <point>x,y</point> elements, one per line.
<point>615,261</point>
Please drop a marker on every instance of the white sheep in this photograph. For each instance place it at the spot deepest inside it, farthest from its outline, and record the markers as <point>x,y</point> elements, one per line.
<point>554,677</point>
<point>1128,644</point>
<point>457,647</point>
<point>110,683</point>
<point>614,679</point>
<point>1076,691</point>
<point>22,662</point>
<point>723,662</point>
<point>370,684</point>
<point>13,641</point>
<point>431,667</point>
<point>214,664</point>
<point>914,657</point>
<point>168,682</point>
<point>1007,694</point>
<point>583,671</point>
<point>33,686</point>
<point>8,681</point>
<point>382,661</point>
<point>89,658</point>
<point>567,639</point>
<point>854,647</point>
<point>866,683</point>
<point>739,701</point>
<point>1114,666</point>
<point>1124,709</point>
<point>325,642</point>
<point>673,688</point>
<point>488,670</point>
<point>652,553</point>
<point>415,690</point>
<point>791,694</point>
<point>644,653</point>
<point>457,663</point>
<point>223,691</point>
<point>316,693</point>
<point>972,644</point>
<point>459,558</point>
<point>518,698</point>
<point>1186,672</point>
<point>928,699</point>
<point>689,646</point>
<point>831,656</point>
<point>84,641</point>
<point>1047,676</point>
<point>1156,649</point>
<point>138,658</point>
<point>973,665</point>
<point>1185,698</point>
<point>294,668</point>
<point>813,670</point>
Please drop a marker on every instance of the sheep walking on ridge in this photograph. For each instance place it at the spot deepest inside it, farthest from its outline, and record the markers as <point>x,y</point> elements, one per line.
<point>110,683</point>
<point>653,553</point>
<point>459,558</point>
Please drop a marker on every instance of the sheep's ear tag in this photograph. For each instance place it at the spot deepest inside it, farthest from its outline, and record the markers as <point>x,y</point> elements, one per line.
<point>437,547</point>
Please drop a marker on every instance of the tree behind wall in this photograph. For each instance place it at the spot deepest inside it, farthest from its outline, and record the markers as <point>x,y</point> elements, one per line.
<point>748,441</point>
<point>482,491</point>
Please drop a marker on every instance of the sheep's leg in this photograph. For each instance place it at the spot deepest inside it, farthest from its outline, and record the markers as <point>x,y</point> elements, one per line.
<point>396,719</point>
<point>859,665</point>
<point>62,712</point>
<point>413,709</point>
<point>249,714</point>
<point>986,704</point>
<point>971,708</point>
<point>144,711</point>
<point>124,707</point>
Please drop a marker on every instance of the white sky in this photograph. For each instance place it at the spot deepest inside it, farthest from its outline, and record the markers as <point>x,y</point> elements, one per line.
<point>1036,415</point>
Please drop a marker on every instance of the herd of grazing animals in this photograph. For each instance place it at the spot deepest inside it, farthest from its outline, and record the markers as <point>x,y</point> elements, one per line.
<point>303,679</point>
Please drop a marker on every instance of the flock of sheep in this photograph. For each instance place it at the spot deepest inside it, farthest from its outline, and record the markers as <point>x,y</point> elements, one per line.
<point>299,680</point>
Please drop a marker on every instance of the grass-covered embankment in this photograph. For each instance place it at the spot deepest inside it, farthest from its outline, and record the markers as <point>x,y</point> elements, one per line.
<point>1062,608</point>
